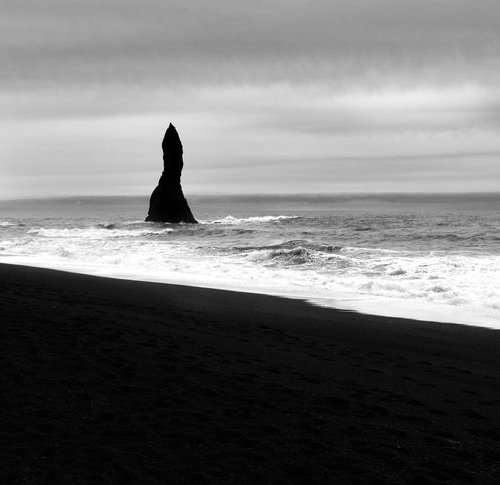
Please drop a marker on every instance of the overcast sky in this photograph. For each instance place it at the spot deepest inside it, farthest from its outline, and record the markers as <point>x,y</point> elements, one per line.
<point>268,96</point>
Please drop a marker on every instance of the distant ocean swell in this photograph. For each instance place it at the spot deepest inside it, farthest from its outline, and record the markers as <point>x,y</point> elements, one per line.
<point>386,260</point>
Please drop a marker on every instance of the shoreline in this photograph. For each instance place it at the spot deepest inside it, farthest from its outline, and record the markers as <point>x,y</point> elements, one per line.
<point>384,307</point>
<point>129,381</point>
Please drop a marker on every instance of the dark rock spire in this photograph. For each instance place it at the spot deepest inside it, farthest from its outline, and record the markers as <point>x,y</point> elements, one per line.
<point>167,203</point>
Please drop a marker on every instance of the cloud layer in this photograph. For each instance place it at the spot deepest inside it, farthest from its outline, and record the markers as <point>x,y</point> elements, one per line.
<point>372,95</point>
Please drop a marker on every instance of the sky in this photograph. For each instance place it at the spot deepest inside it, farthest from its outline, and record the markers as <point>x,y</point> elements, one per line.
<point>274,96</point>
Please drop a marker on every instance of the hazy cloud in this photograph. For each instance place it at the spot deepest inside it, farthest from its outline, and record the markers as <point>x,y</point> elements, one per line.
<point>160,42</point>
<point>374,95</point>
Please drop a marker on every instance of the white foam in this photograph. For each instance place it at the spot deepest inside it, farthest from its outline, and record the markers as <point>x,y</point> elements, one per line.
<point>11,224</point>
<point>402,295</point>
<point>100,232</point>
<point>452,287</point>
<point>230,220</point>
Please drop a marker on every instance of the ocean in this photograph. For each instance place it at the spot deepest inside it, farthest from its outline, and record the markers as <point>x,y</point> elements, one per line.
<point>427,257</point>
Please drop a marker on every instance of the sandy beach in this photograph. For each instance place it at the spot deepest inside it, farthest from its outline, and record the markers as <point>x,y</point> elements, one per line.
<point>115,381</point>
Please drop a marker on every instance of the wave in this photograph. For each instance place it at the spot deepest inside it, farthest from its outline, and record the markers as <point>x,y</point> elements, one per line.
<point>288,253</point>
<point>11,224</point>
<point>451,237</point>
<point>98,232</point>
<point>410,289</point>
<point>294,256</point>
<point>230,220</point>
<point>322,256</point>
<point>291,244</point>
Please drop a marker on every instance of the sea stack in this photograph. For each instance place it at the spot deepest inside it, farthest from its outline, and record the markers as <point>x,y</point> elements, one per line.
<point>167,202</point>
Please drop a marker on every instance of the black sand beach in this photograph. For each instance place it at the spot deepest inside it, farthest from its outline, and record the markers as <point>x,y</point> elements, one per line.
<point>113,381</point>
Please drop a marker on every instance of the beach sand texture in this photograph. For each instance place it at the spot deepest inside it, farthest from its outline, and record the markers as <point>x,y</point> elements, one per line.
<point>115,381</point>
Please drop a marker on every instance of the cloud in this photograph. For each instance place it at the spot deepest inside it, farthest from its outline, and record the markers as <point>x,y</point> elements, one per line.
<point>158,42</point>
<point>374,95</point>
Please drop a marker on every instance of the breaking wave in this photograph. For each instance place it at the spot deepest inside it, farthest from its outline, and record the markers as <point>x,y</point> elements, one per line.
<point>230,220</point>
<point>11,224</point>
<point>100,231</point>
<point>289,253</point>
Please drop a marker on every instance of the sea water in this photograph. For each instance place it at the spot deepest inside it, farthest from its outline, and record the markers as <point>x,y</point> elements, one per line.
<point>424,257</point>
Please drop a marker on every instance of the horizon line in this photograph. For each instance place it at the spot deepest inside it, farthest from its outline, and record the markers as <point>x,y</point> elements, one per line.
<point>265,195</point>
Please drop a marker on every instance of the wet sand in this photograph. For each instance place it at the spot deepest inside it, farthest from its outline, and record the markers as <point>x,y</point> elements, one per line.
<point>113,381</point>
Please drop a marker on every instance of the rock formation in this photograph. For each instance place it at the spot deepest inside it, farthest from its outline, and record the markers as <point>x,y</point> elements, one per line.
<point>167,203</point>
